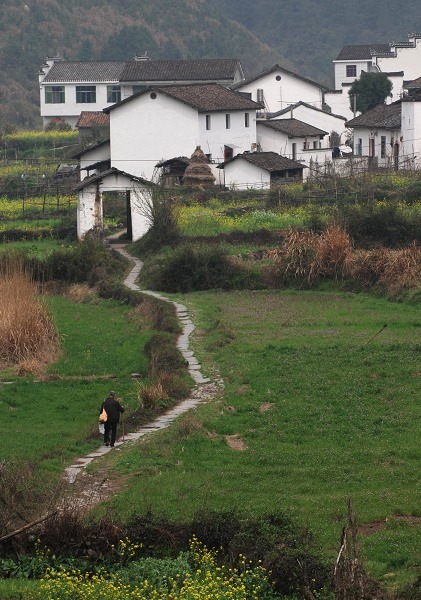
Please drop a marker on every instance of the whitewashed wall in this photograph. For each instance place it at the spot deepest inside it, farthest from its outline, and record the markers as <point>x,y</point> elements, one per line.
<point>242,175</point>
<point>281,93</point>
<point>90,157</point>
<point>339,103</point>
<point>340,71</point>
<point>90,204</point>
<point>238,136</point>
<point>70,110</point>
<point>323,120</point>
<point>145,131</point>
<point>411,133</point>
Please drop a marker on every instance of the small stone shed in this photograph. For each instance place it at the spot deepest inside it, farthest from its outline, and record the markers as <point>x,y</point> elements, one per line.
<point>90,201</point>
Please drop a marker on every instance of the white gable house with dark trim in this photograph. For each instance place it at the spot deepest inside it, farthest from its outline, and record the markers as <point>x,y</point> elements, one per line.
<point>260,170</point>
<point>276,88</point>
<point>165,122</point>
<point>69,87</point>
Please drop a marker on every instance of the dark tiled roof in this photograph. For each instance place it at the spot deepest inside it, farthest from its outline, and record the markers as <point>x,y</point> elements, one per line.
<point>292,127</point>
<point>362,51</point>
<point>270,161</point>
<point>414,84</point>
<point>286,110</point>
<point>113,171</point>
<point>205,97</point>
<point>384,116</point>
<point>93,118</point>
<point>204,69</point>
<point>209,97</point>
<point>273,69</point>
<point>171,161</point>
<point>85,71</point>
<point>413,96</point>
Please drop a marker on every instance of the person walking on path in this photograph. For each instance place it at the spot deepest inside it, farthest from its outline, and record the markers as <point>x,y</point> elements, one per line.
<point>113,408</point>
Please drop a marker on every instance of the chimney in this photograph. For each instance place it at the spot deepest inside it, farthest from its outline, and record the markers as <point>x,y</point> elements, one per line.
<point>142,57</point>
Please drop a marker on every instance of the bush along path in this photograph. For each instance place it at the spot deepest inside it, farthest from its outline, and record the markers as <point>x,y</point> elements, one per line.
<point>91,490</point>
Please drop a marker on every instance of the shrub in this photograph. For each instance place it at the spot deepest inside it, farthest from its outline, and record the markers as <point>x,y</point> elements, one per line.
<point>374,224</point>
<point>195,267</point>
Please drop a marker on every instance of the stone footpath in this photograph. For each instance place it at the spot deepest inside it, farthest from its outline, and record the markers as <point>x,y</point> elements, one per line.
<point>204,389</point>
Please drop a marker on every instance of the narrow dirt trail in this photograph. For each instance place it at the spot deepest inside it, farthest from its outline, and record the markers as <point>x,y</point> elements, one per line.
<point>85,489</point>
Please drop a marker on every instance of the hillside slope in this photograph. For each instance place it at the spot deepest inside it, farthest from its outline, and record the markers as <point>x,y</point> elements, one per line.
<point>311,34</point>
<point>110,29</point>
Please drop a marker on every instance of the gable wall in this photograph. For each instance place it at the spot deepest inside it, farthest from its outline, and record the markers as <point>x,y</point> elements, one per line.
<point>411,133</point>
<point>407,60</point>
<point>145,131</point>
<point>280,94</point>
<point>340,71</point>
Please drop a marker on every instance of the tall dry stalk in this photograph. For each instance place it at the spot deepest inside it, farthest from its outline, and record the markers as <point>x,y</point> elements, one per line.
<point>27,332</point>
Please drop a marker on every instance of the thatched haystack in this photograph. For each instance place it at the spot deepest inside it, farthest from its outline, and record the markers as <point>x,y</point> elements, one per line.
<point>198,173</point>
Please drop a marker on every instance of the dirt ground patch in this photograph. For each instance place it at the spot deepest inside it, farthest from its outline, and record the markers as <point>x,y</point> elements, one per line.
<point>235,442</point>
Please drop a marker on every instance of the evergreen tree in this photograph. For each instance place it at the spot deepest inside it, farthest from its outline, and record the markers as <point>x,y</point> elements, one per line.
<point>367,91</point>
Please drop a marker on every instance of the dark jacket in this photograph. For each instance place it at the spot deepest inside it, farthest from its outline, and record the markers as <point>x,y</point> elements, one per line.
<point>113,409</point>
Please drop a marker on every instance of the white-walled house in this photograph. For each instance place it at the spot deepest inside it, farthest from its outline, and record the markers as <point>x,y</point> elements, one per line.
<point>260,170</point>
<point>314,116</point>
<point>295,140</point>
<point>389,135</point>
<point>276,88</point>
<point>69,87</point>
<point>397,60</point>
<point>165,122</point>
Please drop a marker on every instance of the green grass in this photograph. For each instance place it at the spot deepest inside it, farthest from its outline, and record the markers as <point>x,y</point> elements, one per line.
<point>35,248</point>
<point>342,421</point>
<point>16,589</point>
<point>54,421</point>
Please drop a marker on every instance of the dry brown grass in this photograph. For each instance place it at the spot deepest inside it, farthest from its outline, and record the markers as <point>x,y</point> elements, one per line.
<point>150,395</point>
<point>394,271</point>
<point>81,293</point>
<point>27,334</point>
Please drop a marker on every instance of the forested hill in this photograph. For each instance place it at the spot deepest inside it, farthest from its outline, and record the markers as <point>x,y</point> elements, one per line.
<point>106,30</point>
<point>303,35</point>
<point>310,34</point>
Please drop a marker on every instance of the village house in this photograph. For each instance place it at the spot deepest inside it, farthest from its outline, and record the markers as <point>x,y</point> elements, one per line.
<point>389,135</point>
<point>294,139</point>
<point>260,170</point>
<point>67,88</point>
<point>276,88</point>
<point>166,122</point>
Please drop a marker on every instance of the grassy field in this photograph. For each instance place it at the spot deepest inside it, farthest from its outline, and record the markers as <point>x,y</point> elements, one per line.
<point>317,408</point>
<point>54,420</point>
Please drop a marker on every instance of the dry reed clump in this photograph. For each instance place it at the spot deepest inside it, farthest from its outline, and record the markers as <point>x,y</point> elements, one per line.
<point>310,257</point>
<point>394,271</point>
<point>27,333</point>
<point>151,395</point>
<point>80,293</point>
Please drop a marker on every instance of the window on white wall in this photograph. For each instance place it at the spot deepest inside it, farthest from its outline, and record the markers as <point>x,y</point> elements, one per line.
<point>54,94</point>
<point>113,93</point>
<point>208,122</point>
<point>383,146</point>
<point>85,94</point>
<point>360,147</point>
<point>227,121</point>
<point>351,70</point>
<point>247,119</point>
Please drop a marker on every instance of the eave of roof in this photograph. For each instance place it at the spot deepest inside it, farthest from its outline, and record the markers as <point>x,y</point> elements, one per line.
<point>204,97</point>
<point>382,116</point>
<point>301,103</point>
<point>362,51</point>
<point>270,161</point>
<point>94,118</point>
<point>292,127</point>
<point>87,72</point>
<point>113,171</point>
<point>203,69</point>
